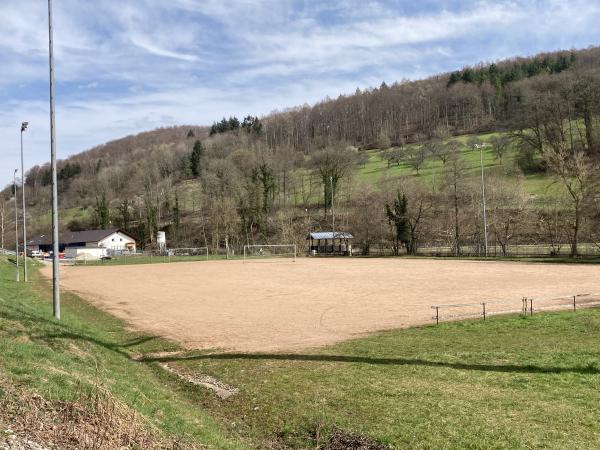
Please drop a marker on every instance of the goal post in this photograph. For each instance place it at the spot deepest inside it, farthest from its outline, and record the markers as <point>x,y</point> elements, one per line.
<point>269,251</point>
<point>196,252</point>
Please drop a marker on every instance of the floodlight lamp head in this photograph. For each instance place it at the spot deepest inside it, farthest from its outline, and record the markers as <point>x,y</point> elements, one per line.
<point>24,126</point>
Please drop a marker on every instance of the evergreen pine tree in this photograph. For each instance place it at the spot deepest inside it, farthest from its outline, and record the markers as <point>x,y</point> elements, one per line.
<point>196,157</point>
<point>397,214</point>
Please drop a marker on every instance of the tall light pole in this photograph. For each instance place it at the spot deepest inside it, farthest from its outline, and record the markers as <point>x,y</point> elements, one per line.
<point>16,223</point>
<point>55,246</point>
<point>23,128</point>
<point>485,233</point>
<point>332,217</point>
<point>332,210</point>
<point>2,226</point>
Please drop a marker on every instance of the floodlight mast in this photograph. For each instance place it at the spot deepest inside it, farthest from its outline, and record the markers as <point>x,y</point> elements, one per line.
<point>24,126</point>
<point>332,212</point>
<point>16,223</point>
<point>485,227</point>
<point>55,243</point>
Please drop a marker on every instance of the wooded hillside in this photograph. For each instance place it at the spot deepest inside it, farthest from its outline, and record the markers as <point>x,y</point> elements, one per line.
<point>400,161</point>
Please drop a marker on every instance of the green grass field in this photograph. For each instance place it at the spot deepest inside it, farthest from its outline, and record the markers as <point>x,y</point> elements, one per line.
<point>540,186</point>
<point>509,382</point>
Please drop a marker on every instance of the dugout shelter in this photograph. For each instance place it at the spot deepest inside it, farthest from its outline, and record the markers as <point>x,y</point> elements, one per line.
<point>330,243</point>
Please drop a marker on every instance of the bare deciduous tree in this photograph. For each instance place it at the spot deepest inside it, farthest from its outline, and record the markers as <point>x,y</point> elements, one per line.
<point>577,173</point>
<point>500,146</point>
<point>333,164</point>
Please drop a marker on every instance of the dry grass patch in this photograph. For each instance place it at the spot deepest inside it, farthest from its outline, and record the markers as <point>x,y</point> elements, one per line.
<point>94,419</point>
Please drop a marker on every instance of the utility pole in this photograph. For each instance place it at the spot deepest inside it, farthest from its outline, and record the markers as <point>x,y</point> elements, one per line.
<point>16,224</point>
<point>332,210</point>
<point>23,128</point>
<point>55,243</point>
<point>2,225</point>
<point>485,233</point>
<point>332,217</point>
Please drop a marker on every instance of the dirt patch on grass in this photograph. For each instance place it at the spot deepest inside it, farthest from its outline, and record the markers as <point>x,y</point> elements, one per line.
<point>340,440</point>
<point>221,390</point>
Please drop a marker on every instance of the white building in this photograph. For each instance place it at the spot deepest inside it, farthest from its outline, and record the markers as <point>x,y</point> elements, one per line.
<point>91,244</point>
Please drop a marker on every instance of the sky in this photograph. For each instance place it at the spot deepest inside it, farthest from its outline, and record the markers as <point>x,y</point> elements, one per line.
<point>126,66</point>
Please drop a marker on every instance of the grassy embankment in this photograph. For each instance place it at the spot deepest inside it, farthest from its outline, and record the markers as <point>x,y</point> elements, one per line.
<point>88,348</point>
<point>510,382</point>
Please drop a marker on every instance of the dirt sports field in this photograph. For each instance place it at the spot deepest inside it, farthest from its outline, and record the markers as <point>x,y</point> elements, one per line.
<point>282,305</point>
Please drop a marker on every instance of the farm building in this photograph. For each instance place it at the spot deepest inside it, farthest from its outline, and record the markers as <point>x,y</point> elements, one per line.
<point>329,242</point>
<point>89,243</point>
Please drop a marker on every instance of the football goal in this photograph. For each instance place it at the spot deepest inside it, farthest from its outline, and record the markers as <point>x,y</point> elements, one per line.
<point>268,251</point>
<point>195,252</point>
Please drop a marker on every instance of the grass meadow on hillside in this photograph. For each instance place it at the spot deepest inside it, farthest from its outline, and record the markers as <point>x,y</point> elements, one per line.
<point>540,186</point>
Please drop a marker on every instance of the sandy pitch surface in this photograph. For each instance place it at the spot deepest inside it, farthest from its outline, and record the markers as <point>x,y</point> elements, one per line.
<point>267,306</point>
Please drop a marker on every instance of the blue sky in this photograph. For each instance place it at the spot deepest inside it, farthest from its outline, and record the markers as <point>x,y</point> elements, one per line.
<point>125,66</point>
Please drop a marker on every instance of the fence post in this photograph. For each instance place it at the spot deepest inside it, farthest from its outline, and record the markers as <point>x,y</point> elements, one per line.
<point>483,311</point>
<point>531,307</point>
<point>574,303</point>
<point>437,315</point>
<point>524,306</point>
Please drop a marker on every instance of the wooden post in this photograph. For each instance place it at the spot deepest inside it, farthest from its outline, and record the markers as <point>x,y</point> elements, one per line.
<point>531,307</point>
<point>437,315</point>
<point>483,311</point>
<point>574,303</point>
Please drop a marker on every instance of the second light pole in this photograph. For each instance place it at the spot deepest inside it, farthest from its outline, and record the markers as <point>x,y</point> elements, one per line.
<point>16,223</point>
<point>23,128</point>
<point>485,231</point>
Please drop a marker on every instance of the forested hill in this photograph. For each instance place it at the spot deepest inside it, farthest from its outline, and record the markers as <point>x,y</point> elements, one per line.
<point>475,99</point>
<point>247,180</point>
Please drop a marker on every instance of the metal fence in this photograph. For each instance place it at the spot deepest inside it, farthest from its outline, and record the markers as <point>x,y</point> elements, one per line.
<point>589,249</point>
<point>144,257</point>
<point>524,306</point>
<point>519,250</point>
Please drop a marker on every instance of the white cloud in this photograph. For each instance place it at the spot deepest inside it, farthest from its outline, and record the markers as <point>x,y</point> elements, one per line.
<point>129,65</point>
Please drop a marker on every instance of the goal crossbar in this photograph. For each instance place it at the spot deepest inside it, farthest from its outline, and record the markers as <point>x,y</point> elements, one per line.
<point>267,251</point>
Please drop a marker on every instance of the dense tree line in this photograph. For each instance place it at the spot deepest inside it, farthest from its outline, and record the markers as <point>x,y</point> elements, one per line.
<point>501,75</point>
<point>250,124</point>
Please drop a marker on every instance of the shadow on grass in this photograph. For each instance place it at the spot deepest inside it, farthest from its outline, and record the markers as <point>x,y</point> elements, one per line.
<point>60,331</point>
<point>514,368</point>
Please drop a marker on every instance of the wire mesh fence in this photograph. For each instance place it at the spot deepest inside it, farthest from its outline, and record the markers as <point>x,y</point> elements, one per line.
<point>517,250</point>
<point>269,251</point>
<point>146,257</point>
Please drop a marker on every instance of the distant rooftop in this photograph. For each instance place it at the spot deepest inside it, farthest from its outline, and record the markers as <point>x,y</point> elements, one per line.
<point>74,237</point>
<point>330,235</point>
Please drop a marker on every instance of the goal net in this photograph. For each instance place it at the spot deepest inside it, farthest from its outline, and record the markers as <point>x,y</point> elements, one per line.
<point>252,252</point>
<point>195,252</point>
